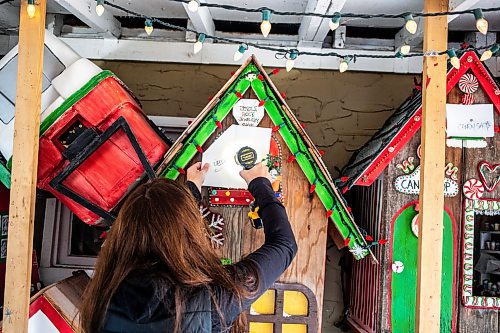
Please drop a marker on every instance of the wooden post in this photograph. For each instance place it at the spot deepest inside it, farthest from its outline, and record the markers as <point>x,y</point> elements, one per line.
<point>430,240</point>
<point>24,169</point>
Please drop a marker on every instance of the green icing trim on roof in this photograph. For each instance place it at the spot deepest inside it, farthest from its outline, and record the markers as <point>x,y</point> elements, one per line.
<point>293,140</point>
<point>4,175</point>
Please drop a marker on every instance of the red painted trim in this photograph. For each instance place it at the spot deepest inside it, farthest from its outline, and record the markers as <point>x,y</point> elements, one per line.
<point>42,304</point>
<point>468,60</point>
<point>230,197</point>
<point>454,287</point>
<point>386,156</point>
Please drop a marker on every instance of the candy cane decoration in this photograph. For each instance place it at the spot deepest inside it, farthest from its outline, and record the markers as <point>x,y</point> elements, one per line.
<point>451,171</point>
<point>468,99</point>
<point>406,166</point>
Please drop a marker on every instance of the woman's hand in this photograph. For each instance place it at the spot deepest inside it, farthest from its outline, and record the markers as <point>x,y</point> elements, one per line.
<point>196,174</point>
<point>259,170</point>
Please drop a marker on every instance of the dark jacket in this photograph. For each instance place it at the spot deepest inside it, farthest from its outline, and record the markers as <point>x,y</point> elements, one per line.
<point>137,307</point>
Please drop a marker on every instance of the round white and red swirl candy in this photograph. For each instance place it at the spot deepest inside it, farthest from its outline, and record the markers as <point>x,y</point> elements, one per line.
<point>473,189</point>
<point>468,83</point>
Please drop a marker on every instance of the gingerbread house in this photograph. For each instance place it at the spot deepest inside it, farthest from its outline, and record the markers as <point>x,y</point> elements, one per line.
<point>384,179</point>
<point>249,120</point>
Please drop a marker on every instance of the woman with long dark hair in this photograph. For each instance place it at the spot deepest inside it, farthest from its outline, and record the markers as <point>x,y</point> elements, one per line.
<point>157,271</point>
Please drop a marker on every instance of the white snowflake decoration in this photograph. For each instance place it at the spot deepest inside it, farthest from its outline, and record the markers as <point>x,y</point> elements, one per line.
<point>215,224</point>
<point>358,251</point>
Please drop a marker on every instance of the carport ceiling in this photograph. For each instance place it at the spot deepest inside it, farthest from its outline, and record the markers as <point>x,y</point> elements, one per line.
<point>73,19</point>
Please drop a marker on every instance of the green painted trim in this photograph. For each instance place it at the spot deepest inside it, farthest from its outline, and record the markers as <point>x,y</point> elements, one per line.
<point>293,140</point>
<point>4,175</point>
<point>404,284</point>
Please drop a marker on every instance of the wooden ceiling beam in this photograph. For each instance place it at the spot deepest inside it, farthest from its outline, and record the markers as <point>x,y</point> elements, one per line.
<point>84,10</point>
<point>9,16</point>
<point>315,29</point>
<point>201,20</point>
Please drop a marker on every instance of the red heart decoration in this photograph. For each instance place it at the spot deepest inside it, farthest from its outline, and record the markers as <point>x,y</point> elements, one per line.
<point>492,172</point>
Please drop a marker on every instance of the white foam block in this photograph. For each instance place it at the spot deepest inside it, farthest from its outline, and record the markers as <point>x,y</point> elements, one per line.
<point>6,138</point>
<point>51,108</point>
<point>74,77</point>
<point>48,97</point>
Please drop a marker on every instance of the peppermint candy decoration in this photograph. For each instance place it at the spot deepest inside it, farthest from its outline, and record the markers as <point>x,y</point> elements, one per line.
<point>468,83</point>
<point>473,189</point>
<point>467,99</point>
<point>397,267</point>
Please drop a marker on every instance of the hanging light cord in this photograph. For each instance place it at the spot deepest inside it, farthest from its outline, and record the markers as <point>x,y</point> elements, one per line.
<point>302,53</point>
<point>350,15</point>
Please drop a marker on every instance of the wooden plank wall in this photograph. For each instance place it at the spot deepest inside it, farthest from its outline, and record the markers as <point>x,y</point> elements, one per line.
<point>365,291</point>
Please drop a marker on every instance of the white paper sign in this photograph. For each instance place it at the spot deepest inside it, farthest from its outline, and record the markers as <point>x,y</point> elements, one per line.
<point>40,323</point>
<point>471,121</point>
<point>247,112</point>
<point>221,155</point>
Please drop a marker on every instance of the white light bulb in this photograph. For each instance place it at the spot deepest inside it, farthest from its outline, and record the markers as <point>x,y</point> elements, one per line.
<point>405,49</point>
<point>343,66</point>
<point>193,5</point>
<point>486,55</point>
<point>149,30</point>
<point>265,28</point>
<point>333,25</point>
<point>31,10</point>
<point>99,9</point>
<point>289,64</point>
<point>411,26</point>
<point>455,62</point>
<point>237,55</point>
<point>197,47</point>
<point>482,26</point>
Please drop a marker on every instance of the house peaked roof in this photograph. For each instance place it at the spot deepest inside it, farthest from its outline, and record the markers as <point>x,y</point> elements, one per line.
<point>251,75</point>
<point>370,161</point>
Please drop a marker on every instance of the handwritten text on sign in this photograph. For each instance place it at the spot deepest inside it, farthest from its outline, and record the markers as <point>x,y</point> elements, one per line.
<point>247,112</point>
<point>471,121</point>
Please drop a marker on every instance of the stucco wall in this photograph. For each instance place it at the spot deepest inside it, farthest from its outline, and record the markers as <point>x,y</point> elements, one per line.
<point>340,112</point>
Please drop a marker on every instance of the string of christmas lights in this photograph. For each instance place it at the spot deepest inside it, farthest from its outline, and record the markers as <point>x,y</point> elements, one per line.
<point>194,5</point>
<point>292,54</point>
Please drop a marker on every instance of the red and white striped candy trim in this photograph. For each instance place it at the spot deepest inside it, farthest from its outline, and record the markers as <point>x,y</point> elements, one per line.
<point>467,99</point>
<point>473,189</point>
<point>468,83</point>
